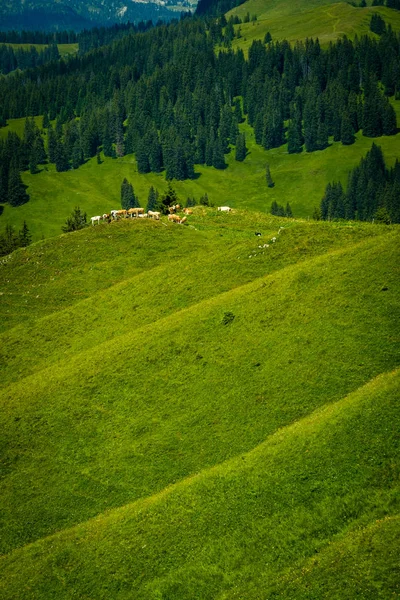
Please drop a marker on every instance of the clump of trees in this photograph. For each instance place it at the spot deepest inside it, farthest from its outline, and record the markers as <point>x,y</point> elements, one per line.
<point>280,211</point>
<point>10,240</point>
<point>372,194</point>
<point>77,220</point>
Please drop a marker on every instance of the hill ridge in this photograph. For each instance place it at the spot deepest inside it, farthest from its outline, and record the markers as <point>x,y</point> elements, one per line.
<point>207,302</point>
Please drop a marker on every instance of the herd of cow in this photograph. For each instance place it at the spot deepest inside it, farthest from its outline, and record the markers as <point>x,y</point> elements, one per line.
<point>138,213</point>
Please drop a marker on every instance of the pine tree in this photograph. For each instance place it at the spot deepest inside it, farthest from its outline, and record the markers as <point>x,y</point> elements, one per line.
<point>51,144</point>
<point>347,131</point>
<point>389,122</point>
<point>142,158</point>
<point>25,237</point>
<point>46,121</point>
<point>268,177</point>
<point>240,152</point>
<point>61,160</point>
<point>77,220</point>
<point>295,137</point>
<point>128,198</point>
<point>288,211</point>
<point>152,203</point>
<point>16,189</point>
<point>218,160</point>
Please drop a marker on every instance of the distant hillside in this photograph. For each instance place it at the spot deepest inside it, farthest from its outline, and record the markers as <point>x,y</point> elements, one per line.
<point>199,410</point>
<point>77,14</point>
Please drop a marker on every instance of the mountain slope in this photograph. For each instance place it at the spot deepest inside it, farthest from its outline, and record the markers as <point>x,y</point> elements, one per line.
<point>145,402</point>
<point>298,514</point>
<point>77,14</point>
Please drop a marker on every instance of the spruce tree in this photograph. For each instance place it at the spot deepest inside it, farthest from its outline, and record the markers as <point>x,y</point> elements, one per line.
<point>61,159</point>
<point>389,122</point>
<point>288,211</point>
<point>218,160</point>
<point>17,194</point>
<point>295,138</point>
<point>152,200</point>
<point>24,235</point>
<point>346,131</point>
<point>240,152</point>
<point>268,177</point>
<point>51,144</point>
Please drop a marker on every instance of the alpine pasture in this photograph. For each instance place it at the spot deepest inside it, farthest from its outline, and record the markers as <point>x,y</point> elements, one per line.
<point>206,410</point>
<point>168,439</point>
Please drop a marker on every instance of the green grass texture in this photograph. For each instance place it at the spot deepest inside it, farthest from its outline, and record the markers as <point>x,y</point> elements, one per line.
<point>300,179</point>
<point>165,439</point>
<point>327,22</point>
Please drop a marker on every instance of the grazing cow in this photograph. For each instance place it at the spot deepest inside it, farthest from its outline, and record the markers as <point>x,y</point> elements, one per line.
<point>188,211</point>
<point>106,217</point>
<point>177,219</point>
<point>174,218</point>
<point>120,214</point>
<point>224,208</point>
<point>113,213</point>
<point>95,219</point>
<point>143,216</point>
<point>154,215</point>
<point>135,212</point>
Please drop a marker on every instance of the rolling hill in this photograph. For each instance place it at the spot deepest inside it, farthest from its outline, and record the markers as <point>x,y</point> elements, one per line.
<point>176,440</point>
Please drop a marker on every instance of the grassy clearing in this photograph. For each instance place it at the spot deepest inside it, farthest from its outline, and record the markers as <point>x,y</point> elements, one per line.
<point>297,517</point>
<point>64,49</point>
<point>327,23</point>
<point>145,384</point>
<point>299,179</point>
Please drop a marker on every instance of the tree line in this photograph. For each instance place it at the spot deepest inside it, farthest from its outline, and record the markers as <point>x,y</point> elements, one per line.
<point>372,194</point>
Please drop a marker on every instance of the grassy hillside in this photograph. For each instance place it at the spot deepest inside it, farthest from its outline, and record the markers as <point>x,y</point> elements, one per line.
<point>300,179</point>
<point>327,22</point>
<point>165,434</point>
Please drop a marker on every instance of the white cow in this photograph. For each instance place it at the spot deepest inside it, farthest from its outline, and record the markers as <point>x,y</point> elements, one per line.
<point>224,208</point>
<point>96,219</point>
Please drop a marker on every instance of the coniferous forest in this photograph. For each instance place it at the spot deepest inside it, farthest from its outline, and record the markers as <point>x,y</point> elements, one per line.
<point>373,192</point>
<point>168,96</point>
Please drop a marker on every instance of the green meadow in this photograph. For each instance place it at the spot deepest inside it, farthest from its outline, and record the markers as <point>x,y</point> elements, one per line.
<point>300,179</point>
<point>64,49</point>
<point>327,22</point>
<point>165,439</point>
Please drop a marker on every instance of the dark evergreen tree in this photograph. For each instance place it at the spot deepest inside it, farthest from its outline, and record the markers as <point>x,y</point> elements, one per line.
<point>61,158</point>
<point>218,160</point>
<point>288,211</point>
<point>346,131</point>
<point>152,200</point>
<point>128,198</point>
<point>77,220</point>
<point>25,237</point>
<point>51,144</point>
<point>17,194</point>
<point>268,177</point>
<point>240,152</point>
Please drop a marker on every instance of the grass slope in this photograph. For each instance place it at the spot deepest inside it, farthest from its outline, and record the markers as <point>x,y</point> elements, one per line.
<point>300,179</point>
<point>309,513</point>
<point>143,380</point>
<point>327,23</point>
